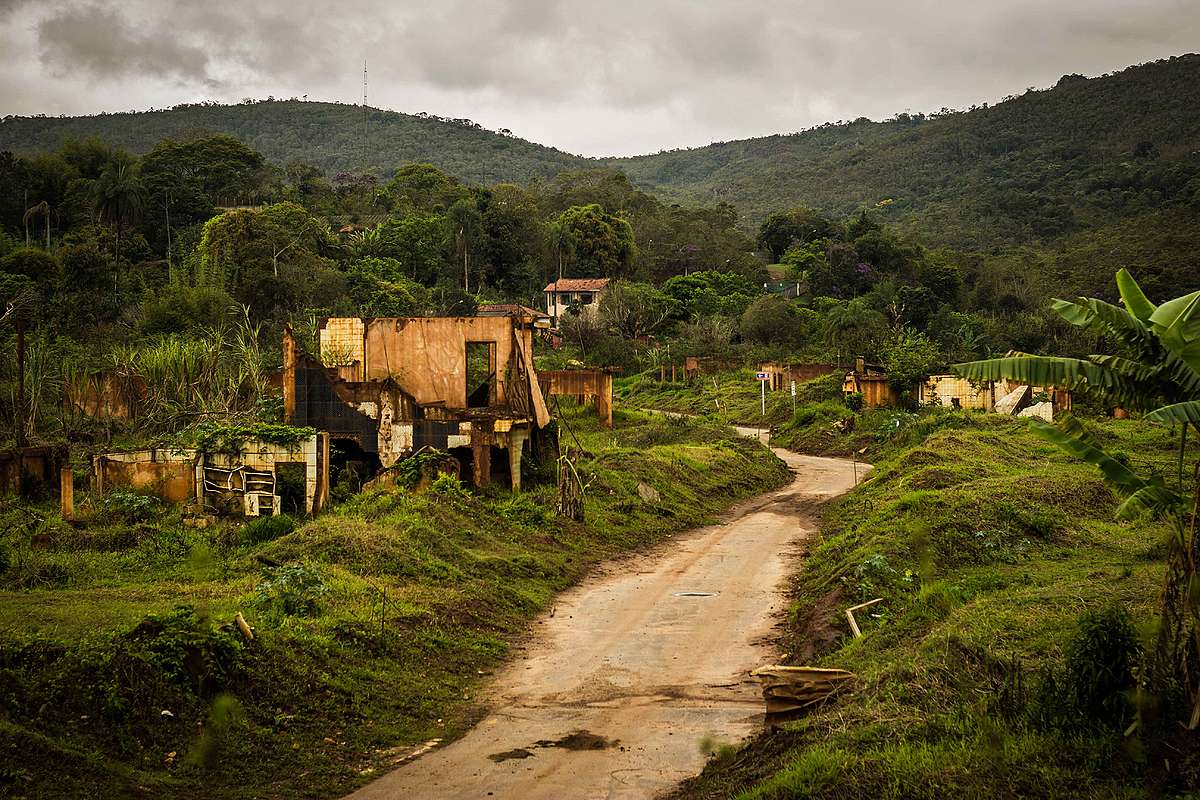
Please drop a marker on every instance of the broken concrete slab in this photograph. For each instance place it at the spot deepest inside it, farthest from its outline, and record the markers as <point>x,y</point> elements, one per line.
<point>1014,401</point>
<point>1044,410</point>
<point>788,690</point>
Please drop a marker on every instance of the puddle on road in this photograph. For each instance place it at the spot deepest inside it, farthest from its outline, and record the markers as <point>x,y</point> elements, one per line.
<point>695,594</point>
<point>578,740</point>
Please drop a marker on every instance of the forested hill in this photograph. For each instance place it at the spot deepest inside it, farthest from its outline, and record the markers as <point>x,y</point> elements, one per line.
<point>1079,155</point>
<point>327,135</point>
<point>1048,163</point>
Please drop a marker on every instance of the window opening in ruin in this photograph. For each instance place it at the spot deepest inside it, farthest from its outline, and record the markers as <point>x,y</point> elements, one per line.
<point>481,374</point>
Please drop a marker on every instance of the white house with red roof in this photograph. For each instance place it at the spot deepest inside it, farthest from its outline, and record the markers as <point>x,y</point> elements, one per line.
<point>583,293</point>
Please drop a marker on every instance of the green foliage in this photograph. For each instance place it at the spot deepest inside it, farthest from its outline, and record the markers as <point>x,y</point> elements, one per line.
<point>187,650</point>
<point>771,319</point>
<point>215,437</point>
<point>292,590</point>
<point>177,308</point>
<point>266,529</point>
<point>709,293</point>
<point>132,506</point>
<point>909,359</point>
<point>449,487</point>
<point>602,244</point>
<point>1101,657</point>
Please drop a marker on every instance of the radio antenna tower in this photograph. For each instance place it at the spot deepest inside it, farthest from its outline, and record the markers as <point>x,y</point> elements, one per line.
<point>365,118</point>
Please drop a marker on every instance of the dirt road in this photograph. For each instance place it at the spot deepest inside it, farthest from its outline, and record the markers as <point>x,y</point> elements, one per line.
<point>636,666</point>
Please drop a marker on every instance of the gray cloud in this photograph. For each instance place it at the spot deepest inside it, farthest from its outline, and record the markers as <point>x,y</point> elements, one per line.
<point>620,77</point>
<point>100,43</point>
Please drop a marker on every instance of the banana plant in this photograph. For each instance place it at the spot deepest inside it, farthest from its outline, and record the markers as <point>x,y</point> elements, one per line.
<point>1154,370</point>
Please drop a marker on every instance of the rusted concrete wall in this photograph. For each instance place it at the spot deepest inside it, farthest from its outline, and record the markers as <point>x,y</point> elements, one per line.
<point>595,384</point>
<point>876,390</point>
<point>165,473</point>
<point>427,356</point>
<point>783,374</point>
<point>253,471</point>
<point>1061,398</point>
<point>180,476</point>
<point>23,467</point>
<point>106,396</point>
<point>953,391</point>
<point>343,346</point>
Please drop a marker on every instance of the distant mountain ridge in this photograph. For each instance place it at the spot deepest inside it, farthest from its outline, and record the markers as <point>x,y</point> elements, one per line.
<point>1038,166</point>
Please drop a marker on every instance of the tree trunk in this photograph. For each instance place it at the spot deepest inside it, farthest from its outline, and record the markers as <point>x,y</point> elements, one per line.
<point>570,489</point>
<point>19,415</point>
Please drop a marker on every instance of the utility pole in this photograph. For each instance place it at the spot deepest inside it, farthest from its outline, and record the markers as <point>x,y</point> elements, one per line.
<point>167,209</point>
<point>364,131</point>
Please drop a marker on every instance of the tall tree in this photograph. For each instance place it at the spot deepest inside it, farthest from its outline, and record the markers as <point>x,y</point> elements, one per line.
<point>119,196</point>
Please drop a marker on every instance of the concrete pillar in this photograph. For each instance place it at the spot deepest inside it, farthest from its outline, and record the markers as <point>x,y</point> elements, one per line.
<point>516,442</point>
<point>481,465</point>
<point>67,492</point>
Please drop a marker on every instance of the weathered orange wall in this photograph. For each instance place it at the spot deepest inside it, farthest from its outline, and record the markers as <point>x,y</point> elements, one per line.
<point>169,476</point>
<point>595,383</point>
<point>427,356</point>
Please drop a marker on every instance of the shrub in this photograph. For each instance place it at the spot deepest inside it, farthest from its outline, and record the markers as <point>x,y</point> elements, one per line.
<point>133,507</point>
<point>1100,658</point>
<point>447,486</point>
<point>854,401</point>
<point>266,529</point>
<point>186,650</point>
<point>290,590</point>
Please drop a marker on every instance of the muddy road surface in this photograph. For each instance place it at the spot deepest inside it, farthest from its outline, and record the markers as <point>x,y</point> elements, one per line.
<point>637,666</point>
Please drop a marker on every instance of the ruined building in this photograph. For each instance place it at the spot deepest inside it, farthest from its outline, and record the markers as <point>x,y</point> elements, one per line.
<point>385,388</point>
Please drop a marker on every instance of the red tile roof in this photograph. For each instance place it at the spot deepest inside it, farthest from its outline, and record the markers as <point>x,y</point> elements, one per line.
<point>509,308</point>
<point>577,285</point>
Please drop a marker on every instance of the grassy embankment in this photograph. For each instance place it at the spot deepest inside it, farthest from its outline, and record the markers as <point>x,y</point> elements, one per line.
<point>121,674</point>
<point>975,676</point>
<point>733,396</point>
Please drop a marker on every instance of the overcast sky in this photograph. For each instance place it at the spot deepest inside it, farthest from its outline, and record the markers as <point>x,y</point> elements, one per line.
<point>618,77</point>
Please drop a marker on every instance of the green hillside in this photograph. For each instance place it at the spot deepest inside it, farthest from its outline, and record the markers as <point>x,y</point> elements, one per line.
<point>327,135</point>
<point>1037,167</point>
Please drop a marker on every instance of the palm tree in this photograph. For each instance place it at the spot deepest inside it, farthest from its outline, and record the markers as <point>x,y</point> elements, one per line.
<point>119,196</point>
<point>562,238</point>
<point>848,321</point>
<point>1156,371</point>
<point>41,209</point>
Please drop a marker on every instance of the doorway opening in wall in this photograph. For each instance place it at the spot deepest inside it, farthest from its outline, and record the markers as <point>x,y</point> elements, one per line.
<point>290,483</point>
<point>349,468</point>
<point>481,374</point>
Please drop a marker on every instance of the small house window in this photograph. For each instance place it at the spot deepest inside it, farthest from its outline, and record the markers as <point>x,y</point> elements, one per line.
<point>585,298</point>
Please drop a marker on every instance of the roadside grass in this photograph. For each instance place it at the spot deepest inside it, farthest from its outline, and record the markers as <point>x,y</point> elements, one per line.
<point>986,545</point>
<point>123,675</point>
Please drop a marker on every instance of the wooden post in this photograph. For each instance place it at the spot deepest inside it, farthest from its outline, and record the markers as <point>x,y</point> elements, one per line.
<point>67,492</point>
<point>604,400</point>
<point>850,615</point>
